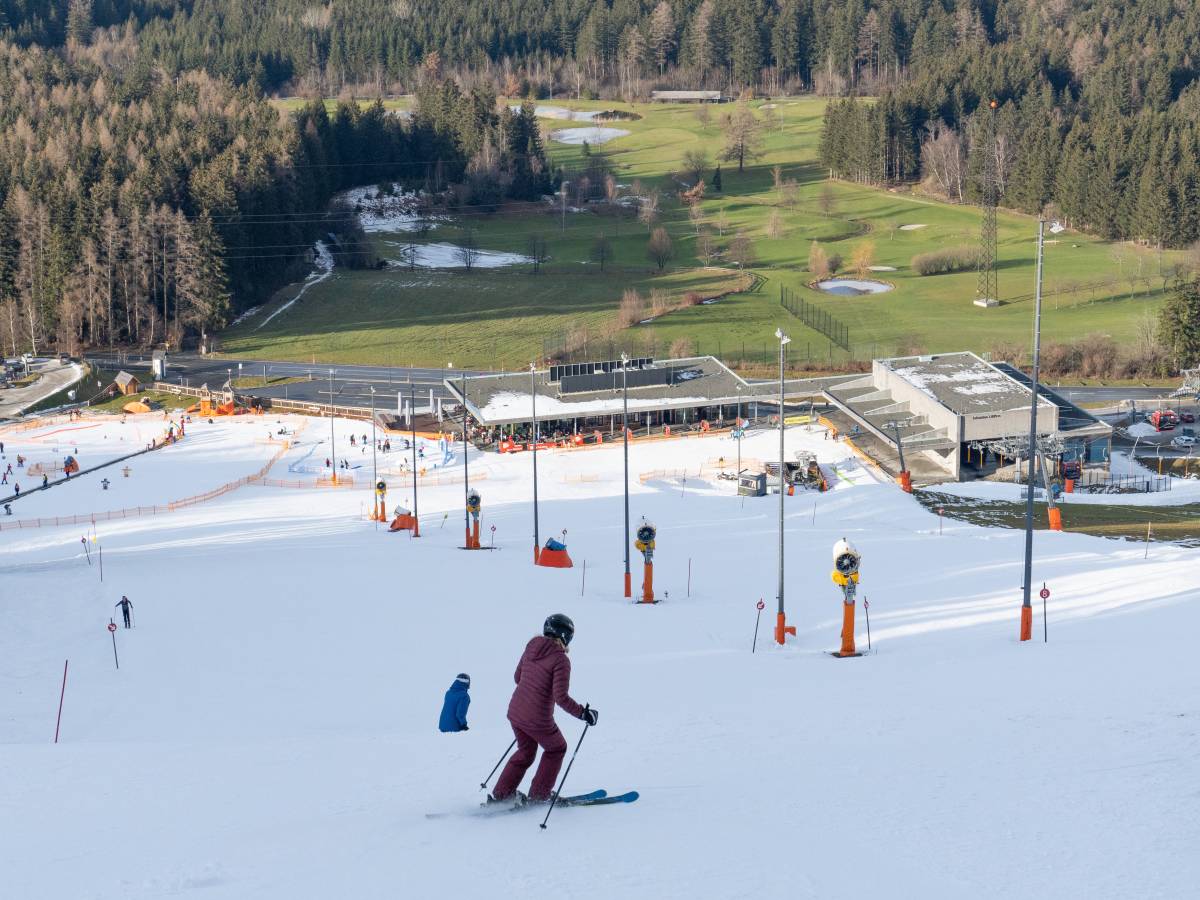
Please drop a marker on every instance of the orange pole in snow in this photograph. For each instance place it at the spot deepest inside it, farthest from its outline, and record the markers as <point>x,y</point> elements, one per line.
<point>782,629</point>
<point>1026,623</point>
<point>475,535</point>
<point>628,585</point>
<point>1055,518</point>
<point>648,584</point>
<point>847,629</point>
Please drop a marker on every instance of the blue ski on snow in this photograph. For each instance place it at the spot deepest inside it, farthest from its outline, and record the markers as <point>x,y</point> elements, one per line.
<point>497,808</point>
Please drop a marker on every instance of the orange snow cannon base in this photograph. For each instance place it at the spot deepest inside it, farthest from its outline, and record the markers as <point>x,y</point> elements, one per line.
<point>1026,623</point>
<point>782,629</point>
<point>1055,518</point>
<point>554,556</point>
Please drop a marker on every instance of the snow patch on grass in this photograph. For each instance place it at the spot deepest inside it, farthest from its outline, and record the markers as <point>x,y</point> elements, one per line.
<point>324,262</point>
<point>593,136</point>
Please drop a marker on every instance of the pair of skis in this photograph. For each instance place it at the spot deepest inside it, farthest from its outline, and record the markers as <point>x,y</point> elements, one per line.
<point>594,798</point>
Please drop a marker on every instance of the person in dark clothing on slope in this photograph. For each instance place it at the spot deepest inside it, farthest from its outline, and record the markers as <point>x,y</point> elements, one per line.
<point>126,606</point>
<point>543,679</point>
<point>454,707</point>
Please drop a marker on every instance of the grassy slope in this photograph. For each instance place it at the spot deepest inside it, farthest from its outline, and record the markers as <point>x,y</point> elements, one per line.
<point>503,317</point>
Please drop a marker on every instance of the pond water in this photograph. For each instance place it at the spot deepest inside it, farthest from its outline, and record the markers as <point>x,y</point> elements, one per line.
<point>852,287</point>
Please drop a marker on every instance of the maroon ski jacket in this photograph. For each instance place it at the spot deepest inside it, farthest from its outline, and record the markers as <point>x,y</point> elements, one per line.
<point>543,678</point>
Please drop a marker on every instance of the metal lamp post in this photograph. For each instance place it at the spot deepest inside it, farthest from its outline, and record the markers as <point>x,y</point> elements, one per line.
<point>625,439</point>
<point>537,543</point>
<point>374,460</point>
<point>412,424</point>
<point>739,431</point>
<point>332,439</point>
<point>466,475</point>
<point>1026,601</point>
<point>782,629</point>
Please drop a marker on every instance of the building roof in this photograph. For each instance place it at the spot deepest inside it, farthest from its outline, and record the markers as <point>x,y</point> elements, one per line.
<point>963,383</point>
<point>124,379</point>
<point>685,384</point>
<point>685,95</point>
<point>1072,420</point>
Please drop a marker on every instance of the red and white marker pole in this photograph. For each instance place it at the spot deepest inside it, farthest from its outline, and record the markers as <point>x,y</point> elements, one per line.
<point>1044,593</point>
<point>760,606</point>
<point>112,630</point>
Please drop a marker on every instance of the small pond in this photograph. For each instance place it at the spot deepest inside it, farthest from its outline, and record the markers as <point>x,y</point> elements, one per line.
<point>852,287</point>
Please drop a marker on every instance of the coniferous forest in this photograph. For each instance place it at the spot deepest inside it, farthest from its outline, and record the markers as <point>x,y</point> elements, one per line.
<point>148,189</point>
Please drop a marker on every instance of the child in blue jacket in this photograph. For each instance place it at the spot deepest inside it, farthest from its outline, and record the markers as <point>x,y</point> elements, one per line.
<point>454,708</point>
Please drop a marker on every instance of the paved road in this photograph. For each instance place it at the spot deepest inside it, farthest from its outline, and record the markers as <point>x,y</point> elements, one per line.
<point>55,377</point>
<point>1111,394</point>
<point>351,383</point>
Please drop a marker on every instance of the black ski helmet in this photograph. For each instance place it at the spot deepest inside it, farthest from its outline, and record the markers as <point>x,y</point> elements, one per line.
<point>559,626</point>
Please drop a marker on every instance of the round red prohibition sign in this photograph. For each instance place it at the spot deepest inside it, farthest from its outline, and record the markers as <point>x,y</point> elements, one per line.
<point>761,605</point>
<point>112,627</point>
<point>1044,593</point>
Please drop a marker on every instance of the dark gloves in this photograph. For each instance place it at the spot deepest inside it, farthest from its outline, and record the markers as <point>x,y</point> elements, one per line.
<point>465,728</point>
<point>591,716</point>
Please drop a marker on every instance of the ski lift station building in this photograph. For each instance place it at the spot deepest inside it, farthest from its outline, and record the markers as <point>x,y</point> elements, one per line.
<point>578,397</point>
<point>943,405</point>
<point>946,405</point>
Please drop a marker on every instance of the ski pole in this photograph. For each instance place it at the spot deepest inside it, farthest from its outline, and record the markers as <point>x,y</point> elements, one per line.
<point>483,784</point>
<point>554,799</point>
<point>867,610</point>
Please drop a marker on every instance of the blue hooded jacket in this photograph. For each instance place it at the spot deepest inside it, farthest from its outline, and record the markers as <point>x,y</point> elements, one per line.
<point>454,707</point>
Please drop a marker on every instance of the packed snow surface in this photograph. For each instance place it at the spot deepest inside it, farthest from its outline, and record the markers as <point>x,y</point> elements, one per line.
<point>913,227</point>
<point>271,732</point>
<point>594,135</point>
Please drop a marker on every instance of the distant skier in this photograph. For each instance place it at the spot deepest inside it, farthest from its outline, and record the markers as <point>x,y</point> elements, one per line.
<point>126,606</point>
<point>543,679</point>
<point>45,479</point>
<point>454,707</point>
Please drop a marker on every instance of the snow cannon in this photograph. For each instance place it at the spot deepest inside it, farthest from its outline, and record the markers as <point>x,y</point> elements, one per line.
<point>379,510</point>
<point>403,521</point>
<point>474,505</point>
<point>70,466</point>
<point>646,534</point>
<point>554,556</point>
<point>846,561</point>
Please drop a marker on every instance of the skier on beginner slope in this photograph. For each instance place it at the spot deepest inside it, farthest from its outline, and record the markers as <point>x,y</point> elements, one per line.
<point>543,679</point>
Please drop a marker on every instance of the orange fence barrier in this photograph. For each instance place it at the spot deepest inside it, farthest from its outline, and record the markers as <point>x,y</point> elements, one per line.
<point>137,511</point>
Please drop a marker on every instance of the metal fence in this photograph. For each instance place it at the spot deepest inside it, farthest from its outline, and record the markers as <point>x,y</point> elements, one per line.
<point>1106,483</point>
<point>815,317</point>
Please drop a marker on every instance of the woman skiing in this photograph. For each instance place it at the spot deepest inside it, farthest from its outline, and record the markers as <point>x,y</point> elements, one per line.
<point>543,679</point>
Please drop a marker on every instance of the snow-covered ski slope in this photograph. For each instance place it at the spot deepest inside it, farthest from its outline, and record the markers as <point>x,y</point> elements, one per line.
<point>272,731</point>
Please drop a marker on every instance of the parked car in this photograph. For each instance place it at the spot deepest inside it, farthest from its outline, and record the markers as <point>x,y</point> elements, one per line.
<point>1164,420</point>
<point>1183,442</point>
<point>1187,417</point>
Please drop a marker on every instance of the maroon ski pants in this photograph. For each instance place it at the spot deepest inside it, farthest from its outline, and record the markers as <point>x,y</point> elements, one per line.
<point>554,748</point>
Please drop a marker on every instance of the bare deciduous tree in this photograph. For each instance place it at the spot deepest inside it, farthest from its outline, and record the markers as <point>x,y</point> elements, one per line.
<point>602,250</point>
<point>741,250</point>
<point>943,159</point>
<point>659,248</point>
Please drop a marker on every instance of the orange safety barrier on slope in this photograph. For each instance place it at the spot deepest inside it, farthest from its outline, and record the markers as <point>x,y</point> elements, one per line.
<point>135,512</point>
